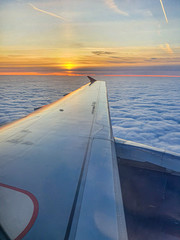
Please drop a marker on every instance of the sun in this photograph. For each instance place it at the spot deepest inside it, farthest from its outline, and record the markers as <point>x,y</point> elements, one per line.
<point>69,66</point>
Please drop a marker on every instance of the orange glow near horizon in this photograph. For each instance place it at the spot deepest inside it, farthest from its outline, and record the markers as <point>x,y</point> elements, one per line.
<point>68,62</point>
<point>83,74</point>
<point>41,74</point>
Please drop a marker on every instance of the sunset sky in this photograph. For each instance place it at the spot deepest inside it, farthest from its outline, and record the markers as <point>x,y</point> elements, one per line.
<point>89,36</point>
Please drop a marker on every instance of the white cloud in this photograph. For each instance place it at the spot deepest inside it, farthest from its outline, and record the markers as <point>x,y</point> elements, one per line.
<point>111,4</point>
<point>166,47</point>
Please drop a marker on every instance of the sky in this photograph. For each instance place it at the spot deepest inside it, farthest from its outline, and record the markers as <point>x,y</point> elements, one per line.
<point>90,37</point>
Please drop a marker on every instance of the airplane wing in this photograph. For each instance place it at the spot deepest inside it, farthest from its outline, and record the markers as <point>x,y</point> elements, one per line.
<point>150,184</point>
<point>64,176</point>
<point>59,177</point>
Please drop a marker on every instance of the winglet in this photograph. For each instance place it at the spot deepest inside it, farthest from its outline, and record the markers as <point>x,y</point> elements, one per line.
<point>92,80</point>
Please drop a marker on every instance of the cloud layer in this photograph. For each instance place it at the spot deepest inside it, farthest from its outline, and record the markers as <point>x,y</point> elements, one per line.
<point>146,110</point>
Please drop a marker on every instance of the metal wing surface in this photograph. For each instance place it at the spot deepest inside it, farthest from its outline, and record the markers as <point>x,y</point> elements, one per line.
<point>59,177</point>
<point>150,184</point>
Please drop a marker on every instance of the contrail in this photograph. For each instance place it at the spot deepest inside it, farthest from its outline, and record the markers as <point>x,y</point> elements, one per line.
<point>49,13</point>
<point>163,11</point>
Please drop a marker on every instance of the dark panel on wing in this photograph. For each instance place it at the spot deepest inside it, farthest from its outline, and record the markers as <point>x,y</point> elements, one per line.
<point>3,235</point>
<point>151,201</point>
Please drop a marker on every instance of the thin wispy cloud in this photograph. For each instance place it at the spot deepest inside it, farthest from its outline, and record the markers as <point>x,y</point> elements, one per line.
<point>99,53</point>
<point>111,4</point>
<point>166,47</point>
<point>143,12</point>
<point>46,12</point>
<point>164,11</point>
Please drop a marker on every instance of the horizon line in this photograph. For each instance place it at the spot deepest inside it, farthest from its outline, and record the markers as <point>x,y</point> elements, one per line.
<point>83,74</point>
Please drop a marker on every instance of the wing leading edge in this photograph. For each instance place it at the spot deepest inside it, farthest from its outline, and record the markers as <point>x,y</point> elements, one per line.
<point>60,163</point>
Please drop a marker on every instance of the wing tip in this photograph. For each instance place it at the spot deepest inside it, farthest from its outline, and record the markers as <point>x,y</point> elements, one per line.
<point>92,80</point>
